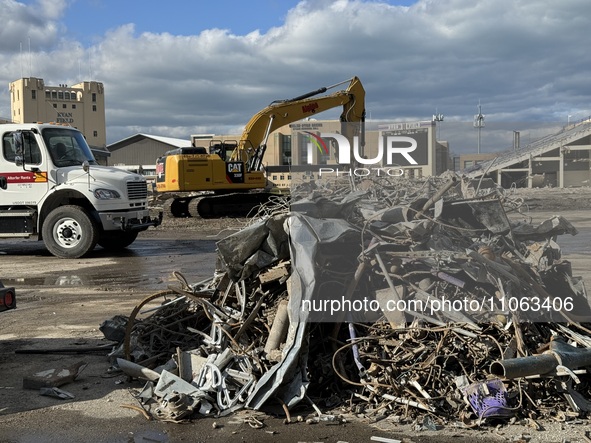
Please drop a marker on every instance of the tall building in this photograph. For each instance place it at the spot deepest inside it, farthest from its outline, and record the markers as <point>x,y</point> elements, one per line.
<point>81,106</point>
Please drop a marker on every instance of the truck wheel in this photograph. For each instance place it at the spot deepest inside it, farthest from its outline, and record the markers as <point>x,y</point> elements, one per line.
<point>116,240</point>
<point>69,232</point>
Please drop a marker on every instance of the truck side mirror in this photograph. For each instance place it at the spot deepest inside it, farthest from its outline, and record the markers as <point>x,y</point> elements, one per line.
<point>3,182</point>
<point>17,138</point>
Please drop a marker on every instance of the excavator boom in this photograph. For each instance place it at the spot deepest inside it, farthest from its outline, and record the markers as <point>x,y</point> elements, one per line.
<point>283,112</point>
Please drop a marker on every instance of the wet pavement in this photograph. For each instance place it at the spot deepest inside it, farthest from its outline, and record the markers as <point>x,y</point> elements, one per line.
<point>146,265</point>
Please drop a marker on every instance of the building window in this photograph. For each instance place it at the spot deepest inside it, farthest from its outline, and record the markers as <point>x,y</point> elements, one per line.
<point>73,106</point>
<point>282,177</point>
<point>95,133</point>
<point>302,143</point>
<point>54,95</point>
<point>55,105</point>
<point>94,108</point>
<point>67,95</point>
<point>60,95</point>
<point>274,177</point>
<point>285,147</point>
<point>468,164</point>
<point>34,94</point>
<point>94,97</point>
<point>47,95</point>
<point>64,106</point>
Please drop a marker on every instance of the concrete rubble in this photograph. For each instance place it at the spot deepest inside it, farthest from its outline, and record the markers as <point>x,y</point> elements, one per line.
<point>431,301</point>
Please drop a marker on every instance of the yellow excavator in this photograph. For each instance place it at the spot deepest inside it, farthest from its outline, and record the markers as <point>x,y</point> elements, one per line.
<point>229,179</point>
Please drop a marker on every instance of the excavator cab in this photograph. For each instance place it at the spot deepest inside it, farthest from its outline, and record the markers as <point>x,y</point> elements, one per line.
<point>222,148</point>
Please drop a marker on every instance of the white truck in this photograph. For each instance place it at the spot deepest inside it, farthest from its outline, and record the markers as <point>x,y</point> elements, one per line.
<point>52,187</point>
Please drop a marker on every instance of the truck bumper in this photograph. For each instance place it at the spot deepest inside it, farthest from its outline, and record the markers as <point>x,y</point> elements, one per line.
<point>128,221</point>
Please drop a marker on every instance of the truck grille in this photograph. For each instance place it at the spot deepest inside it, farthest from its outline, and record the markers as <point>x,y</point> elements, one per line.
<point>137,190</point>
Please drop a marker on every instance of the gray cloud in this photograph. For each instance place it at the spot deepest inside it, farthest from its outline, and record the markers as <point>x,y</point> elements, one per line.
<point>525,60</point>
<point>35,23</point>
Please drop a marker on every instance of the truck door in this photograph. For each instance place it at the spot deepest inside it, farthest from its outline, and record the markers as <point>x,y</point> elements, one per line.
<point>25,170</point>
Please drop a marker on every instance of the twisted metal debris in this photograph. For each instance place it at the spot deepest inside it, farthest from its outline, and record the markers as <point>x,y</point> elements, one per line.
<point>432,300</point>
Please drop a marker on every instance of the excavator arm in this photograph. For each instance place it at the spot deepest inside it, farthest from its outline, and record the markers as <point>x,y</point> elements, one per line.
<point>253,142</point>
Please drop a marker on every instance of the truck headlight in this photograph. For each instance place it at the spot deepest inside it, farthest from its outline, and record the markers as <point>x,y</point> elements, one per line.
<point>106,194</point>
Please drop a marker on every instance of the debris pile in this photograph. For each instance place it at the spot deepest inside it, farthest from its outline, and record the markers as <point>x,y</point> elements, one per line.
<point>419,299</point>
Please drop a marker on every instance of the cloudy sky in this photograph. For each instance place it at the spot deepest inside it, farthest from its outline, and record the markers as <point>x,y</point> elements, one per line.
<point>178,67</point>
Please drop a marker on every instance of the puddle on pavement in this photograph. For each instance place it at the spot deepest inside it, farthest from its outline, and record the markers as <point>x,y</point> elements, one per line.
<point>575,244</point>
<point>86,280</point>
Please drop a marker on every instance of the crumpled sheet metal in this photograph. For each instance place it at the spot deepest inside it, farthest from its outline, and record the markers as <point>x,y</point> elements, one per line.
<point>317,205</point>
<point>306,236</point>
<point>556,225</point>
<point>487,214</point>
<point>254,248</point>
<point>287,379</point>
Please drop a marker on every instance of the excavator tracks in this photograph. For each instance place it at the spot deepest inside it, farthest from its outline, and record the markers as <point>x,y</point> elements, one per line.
<point>232,205</point>
<point>217,206</point>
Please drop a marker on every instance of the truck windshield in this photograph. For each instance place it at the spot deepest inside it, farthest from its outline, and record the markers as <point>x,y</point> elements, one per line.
<point>67,147</point>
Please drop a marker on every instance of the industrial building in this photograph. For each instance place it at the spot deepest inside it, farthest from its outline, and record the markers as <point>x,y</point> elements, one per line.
<point>140,151</point>
<point>81,105</point>
<point>561,159</point>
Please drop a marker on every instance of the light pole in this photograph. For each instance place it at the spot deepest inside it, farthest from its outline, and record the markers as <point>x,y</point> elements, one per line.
<point>438,118</point>
<point>516,136</point>
<point>479,123</point>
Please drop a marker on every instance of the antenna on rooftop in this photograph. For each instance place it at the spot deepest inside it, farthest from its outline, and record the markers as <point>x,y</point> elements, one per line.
<point>21,58</point>
<point>30,59</point>
<point>89,66</point>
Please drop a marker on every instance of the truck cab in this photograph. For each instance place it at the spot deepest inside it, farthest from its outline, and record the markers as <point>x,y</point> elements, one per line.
<point>52,187</point>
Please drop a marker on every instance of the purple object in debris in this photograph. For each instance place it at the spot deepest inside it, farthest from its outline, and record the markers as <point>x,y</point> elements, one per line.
<point>488,399</point>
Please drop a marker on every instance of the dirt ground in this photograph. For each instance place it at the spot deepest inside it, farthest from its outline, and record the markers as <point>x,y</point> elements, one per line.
<point>61,304</point>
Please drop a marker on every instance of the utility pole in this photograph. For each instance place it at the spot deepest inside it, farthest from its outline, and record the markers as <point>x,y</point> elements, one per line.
<point>479,123</point>
<point>516,142</point>
<point>437,118</point>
